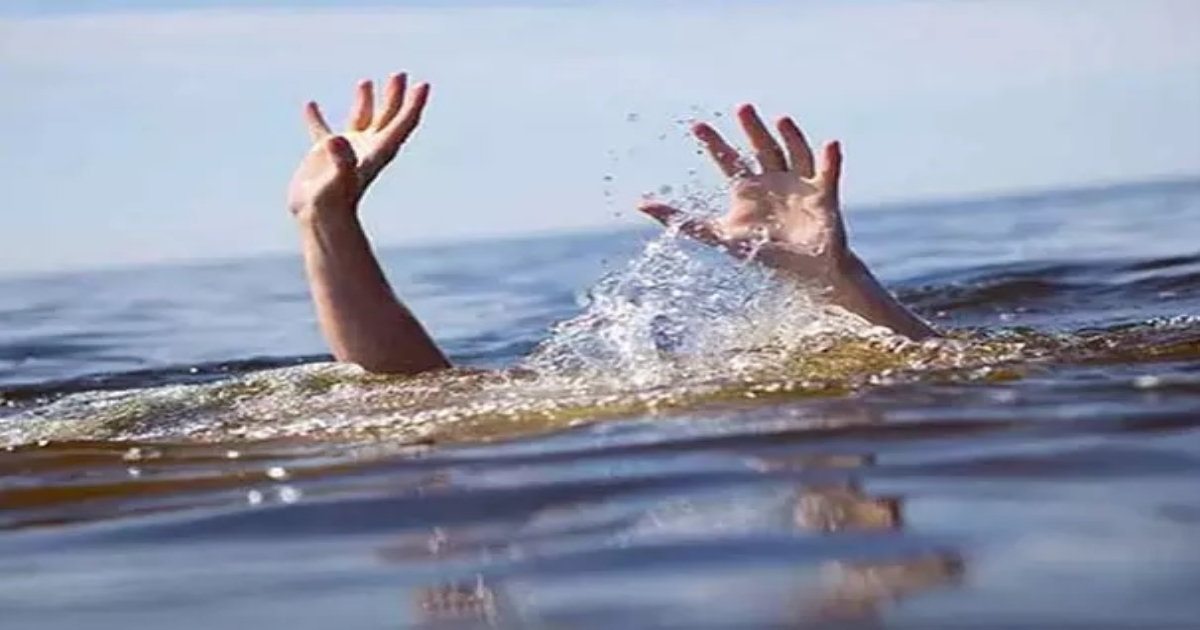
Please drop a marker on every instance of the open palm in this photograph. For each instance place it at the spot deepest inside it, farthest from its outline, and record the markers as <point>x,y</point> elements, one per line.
<point>339,167</point>
<point>783,211</point>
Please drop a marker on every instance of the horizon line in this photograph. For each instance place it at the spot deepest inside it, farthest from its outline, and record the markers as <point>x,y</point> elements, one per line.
<point>1191,180</point>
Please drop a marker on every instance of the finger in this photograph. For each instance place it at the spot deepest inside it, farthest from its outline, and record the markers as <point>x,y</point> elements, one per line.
<point>703,230</point>
<point>725,156</point>
<point>342,153</point>
<point>364,106</point>
<point>317,127</point>
<point>393,98</point>
<point>799,152</point>
<point>398,130</point>
<point>831,169</point>
<point>769,155</point>
<point>660,212</point>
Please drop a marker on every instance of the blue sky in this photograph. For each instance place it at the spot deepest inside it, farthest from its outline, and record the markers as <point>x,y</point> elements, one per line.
<point>138,134</point>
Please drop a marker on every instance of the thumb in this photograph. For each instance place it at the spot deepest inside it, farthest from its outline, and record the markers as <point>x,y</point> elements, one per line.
<point>701,229</point>
<point>341,152</point>
<point>660,212</point>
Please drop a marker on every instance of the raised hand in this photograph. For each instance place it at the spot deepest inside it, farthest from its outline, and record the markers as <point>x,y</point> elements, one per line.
<point>359,313</point>
<point>337,170</point>
<point>784,209</point>
<point>784,212</point>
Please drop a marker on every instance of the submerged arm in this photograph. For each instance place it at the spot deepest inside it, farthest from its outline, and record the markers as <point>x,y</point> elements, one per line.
<point>857,290</point>
<point>359,314</point>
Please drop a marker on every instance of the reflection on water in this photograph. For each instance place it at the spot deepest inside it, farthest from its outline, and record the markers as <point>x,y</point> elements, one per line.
<point>836,590</point>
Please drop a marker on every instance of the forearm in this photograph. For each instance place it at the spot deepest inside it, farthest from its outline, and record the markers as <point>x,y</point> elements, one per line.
<point>857,290</point>
<point>360,316</point>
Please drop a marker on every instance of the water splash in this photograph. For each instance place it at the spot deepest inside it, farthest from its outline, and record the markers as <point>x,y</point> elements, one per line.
<point>679,308</point>
<point>677,323</point>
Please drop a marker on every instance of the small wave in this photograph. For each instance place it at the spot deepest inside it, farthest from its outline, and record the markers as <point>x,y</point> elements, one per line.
<point>1075,291</point>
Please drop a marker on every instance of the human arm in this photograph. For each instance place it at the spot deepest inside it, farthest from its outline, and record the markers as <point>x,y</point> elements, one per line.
<point>786,214</point>
<point>360,316</point>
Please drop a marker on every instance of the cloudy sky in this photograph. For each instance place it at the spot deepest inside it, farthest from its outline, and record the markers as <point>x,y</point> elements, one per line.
<point>136,134</point>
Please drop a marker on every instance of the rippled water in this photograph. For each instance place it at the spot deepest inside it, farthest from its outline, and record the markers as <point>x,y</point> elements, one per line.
<point>658,438</point>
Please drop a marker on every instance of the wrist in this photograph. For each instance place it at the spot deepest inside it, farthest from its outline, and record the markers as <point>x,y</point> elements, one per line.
<point>850,278</point>
<point>849,269</point>
<point>858,290</point>
<point>325,215</point>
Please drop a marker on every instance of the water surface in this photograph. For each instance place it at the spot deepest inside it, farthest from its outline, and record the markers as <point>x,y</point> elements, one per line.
<point>642,435</point>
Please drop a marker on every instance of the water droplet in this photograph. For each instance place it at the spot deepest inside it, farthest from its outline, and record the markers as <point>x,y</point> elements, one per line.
<point>288,494</point>
<point>254,497</point>
<point>1147,381</point>
<point>134,471</point>
<point>278,473</point>
<point>1004,396</point>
